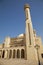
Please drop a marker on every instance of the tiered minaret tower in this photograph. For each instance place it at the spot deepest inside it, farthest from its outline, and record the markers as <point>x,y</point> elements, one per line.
<point>30,50</point>
<point>29,27</point>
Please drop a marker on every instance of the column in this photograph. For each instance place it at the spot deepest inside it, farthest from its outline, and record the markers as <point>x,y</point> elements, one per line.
<point>1,53</point>
<point>8,54</point>
<point>12,54</point>
<point>20,53</point>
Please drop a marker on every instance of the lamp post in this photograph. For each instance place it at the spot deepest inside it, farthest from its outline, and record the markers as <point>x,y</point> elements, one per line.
<point>37,47</point>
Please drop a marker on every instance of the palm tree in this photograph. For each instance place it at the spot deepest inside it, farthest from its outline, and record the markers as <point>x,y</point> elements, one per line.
<point>37,48</point>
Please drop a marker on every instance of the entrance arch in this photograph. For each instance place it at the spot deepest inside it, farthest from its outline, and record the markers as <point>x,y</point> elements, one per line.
<point>14,51</point>
<point>0,53</point>
<point>18,53</point>
<point>22,53</point>
<point>10,54</point>
<point>3,53</point>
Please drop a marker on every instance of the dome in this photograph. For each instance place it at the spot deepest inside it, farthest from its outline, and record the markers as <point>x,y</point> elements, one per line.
<point>21,35</point>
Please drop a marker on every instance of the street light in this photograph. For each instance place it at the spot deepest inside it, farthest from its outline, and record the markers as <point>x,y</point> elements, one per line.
<point>37,47</point>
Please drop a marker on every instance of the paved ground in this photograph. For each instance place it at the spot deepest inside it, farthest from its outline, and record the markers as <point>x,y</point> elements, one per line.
<point>15,62</point>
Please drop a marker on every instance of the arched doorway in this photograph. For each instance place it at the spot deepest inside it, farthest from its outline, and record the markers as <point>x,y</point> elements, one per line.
<point>22,53</point>
<point>10,54</point>
<point>3,53</point>
<point>14,53</point>
<point>18,53</point>
<point>0,53</point>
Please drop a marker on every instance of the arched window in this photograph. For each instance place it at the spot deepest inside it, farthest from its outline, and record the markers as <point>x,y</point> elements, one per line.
<point>18,53</point>
<point>22,53</point>
<point>3,53</point>
<point>10,54</point>
<point>14,53</point>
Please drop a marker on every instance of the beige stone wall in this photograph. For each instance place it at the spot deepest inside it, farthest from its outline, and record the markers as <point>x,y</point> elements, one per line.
<point>40,55</point>
<point>38,42</point>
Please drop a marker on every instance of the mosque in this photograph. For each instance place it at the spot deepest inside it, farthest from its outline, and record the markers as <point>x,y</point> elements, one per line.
<point>27,46</point>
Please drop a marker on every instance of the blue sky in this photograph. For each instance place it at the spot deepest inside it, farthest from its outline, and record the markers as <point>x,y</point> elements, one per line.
<point>12,17</point>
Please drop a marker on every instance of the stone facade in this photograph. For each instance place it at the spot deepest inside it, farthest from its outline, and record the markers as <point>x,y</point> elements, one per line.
<point>26,46</point>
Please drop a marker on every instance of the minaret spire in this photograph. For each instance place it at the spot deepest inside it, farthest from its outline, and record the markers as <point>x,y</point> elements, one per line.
<point>29,27</point>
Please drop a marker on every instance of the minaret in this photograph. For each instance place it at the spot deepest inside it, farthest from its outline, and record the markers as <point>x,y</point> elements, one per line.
<point>30,50</point>
<point>29,27</point>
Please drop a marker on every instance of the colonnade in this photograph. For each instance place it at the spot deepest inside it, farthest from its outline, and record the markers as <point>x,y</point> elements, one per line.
<point>15,53</point>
